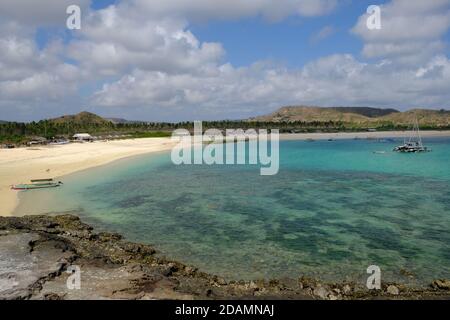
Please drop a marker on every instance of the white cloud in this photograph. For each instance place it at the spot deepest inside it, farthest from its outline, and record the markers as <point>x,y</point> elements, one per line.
<point>234,9</point>
<point>410,31</point>
<point>114,41</point>
<point>30,77</point>
<point>39,12</point>
<point>146,62</point>
<point>330,81</point>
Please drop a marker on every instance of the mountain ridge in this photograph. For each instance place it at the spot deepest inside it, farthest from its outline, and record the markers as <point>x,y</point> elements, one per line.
<point>357,115</point>
<point>83,117</point>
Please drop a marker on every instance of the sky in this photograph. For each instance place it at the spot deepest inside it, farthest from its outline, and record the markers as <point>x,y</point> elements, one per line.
<point>176,60</point>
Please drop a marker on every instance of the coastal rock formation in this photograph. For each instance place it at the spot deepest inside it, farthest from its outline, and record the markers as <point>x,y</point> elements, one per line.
<point>36,253</point>
<point>393,290</point>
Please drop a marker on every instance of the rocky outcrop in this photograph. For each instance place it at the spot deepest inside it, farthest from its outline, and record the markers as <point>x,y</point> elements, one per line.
<point>36,253</point>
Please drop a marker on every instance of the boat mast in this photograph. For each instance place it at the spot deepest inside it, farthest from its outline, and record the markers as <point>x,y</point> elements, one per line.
<point>418,133</point>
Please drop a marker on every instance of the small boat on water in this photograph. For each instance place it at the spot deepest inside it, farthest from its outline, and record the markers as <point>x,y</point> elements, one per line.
<point>37,184</point>
<point>414,143</point>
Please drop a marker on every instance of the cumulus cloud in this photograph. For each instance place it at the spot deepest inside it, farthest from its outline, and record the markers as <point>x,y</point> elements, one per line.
<point>113,41</point>
<point>410,31</point>
<point>32,78</point>
<point>330,81</point>
<point>39,12</point>
<point>140,60</point>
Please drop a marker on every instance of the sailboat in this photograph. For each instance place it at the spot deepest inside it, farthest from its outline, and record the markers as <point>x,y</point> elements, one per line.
<point>414,143</point>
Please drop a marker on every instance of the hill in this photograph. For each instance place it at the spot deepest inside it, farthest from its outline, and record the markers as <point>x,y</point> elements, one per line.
<point>435,118</point>
<point>310,114</point>
<point>81,118</point>
<point>121,120</point>
<point>3,122</point>
<point>366,111</point>
<point>358,116</point>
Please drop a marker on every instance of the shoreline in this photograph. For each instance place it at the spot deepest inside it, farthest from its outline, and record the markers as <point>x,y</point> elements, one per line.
<point>22,164</point>
<point>114,268</point>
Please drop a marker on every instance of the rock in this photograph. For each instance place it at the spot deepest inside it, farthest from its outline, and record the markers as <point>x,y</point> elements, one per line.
<point>252,285</point>
<point>166,271</point>
<point>321,292</point>
<point>393,290</point>
<point>221,281</point>
<point>106,236</point>
<point>287,282</point>
<point>190,270</point>
<point>442,284</point>
<point>347,289</point>
<point>36,251</point>
<point>53,296</point>
<point>22,269</point>
<point>407,273</point>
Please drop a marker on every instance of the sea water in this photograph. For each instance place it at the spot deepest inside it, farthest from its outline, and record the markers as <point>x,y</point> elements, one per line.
<point>334,208</point>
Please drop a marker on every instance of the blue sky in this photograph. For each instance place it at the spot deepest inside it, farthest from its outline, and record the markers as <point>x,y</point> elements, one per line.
<point>289,41</point>
<point>185,60</point>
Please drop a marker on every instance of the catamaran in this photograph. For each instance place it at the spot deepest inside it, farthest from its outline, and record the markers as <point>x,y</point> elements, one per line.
<point>414,143</point>
<point>37,184</point>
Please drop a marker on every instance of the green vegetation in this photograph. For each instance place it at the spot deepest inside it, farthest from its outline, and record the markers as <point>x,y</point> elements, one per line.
<point>287,120</point>
<point>155,134</point>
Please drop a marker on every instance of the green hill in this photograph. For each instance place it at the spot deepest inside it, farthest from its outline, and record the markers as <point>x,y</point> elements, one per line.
<point>366,111</point>
<point>82,118</point>
<point>309,114</point>
<point>431,118</point>
<point>358,116</point>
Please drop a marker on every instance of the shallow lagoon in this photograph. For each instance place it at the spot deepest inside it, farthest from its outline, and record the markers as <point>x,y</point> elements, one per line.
<point>333,209</point>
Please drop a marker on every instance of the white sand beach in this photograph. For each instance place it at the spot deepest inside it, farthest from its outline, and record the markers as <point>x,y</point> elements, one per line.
<point>22,164</point>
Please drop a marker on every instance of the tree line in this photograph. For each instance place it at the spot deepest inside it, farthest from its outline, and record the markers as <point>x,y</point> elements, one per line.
<point>19,132</point>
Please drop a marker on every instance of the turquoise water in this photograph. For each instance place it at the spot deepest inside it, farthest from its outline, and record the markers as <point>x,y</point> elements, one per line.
<point>333,209</point>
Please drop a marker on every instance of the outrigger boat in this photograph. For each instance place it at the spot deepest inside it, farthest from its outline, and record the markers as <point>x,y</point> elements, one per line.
<point>37,184</point>
<point>414,144</point>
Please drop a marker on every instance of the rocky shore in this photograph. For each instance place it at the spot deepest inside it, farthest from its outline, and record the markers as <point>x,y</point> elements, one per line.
<point>37,251</point>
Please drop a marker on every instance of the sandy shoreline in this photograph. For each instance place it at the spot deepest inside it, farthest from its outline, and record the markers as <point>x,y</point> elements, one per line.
<point>22,164</point>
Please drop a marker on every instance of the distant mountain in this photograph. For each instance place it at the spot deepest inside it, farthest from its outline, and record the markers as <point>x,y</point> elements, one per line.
<point>427,117</point>
<point>2,122</point>
<point>309,114</point>
<point>121,120</point>
<point>366,111</point>
<point>81,118</point>
<point>357,115</point>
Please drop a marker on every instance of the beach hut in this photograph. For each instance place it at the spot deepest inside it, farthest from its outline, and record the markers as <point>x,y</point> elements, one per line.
<point>83,137</point>
<point>37,140</point>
